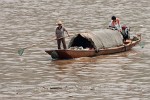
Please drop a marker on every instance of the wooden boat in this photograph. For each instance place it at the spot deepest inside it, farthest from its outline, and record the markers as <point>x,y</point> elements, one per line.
<point>69,54</point>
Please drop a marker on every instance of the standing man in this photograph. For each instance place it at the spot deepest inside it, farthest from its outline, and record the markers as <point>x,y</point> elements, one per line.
<point>60,35</point>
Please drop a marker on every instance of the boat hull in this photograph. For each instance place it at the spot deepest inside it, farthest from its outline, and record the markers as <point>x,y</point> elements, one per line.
<point>70,54</point>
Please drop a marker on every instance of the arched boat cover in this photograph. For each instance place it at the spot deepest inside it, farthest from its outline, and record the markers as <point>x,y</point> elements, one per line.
<point>104,38</point>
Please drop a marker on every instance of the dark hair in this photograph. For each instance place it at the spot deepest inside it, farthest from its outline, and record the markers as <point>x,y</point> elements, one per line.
<point>113,18</point>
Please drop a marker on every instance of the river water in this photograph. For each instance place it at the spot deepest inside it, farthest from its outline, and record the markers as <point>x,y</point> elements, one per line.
<point>35,76</point>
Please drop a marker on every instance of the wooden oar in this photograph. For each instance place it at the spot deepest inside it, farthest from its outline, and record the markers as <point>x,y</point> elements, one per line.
<point>21,50</point>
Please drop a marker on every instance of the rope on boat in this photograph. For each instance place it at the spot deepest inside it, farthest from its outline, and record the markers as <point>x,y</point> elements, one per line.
<point>97,50</point>
<point>125,49</point>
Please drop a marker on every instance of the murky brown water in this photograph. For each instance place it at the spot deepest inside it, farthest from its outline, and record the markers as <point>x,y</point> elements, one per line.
<point>35,76</point>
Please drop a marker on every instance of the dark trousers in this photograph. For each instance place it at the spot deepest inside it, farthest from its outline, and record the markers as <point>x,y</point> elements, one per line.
<point>59,41</point>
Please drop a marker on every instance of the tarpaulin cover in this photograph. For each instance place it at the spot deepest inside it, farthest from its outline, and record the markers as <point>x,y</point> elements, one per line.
<point>104,38</point>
